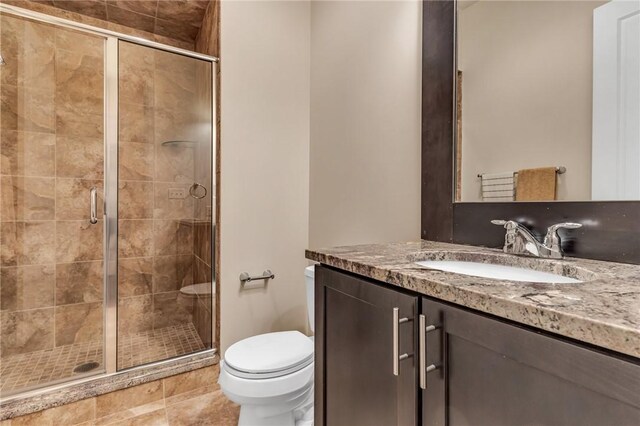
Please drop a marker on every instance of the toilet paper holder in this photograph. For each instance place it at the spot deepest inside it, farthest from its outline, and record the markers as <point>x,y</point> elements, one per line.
<point>266,275</point>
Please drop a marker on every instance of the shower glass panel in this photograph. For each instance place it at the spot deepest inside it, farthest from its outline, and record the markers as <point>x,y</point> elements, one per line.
<point>165,301</point>
<point>51,262</point>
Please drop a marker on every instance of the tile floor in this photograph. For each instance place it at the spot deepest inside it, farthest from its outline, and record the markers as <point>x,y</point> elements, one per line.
<point>188,399</point>
<point>25,371</point>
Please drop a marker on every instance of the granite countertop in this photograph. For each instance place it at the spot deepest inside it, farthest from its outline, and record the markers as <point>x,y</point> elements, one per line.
<point>604,310</point>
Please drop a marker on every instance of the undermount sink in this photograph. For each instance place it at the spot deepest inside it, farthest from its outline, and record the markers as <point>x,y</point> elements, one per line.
<point>497,270</point>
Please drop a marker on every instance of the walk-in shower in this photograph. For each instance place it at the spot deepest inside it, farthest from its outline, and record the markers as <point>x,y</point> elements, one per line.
<point>107,247</point>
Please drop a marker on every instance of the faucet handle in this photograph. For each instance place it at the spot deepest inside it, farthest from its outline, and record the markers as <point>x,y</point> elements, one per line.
<point>567,225</point>
<point>508,224</point>
<point>552,239</point>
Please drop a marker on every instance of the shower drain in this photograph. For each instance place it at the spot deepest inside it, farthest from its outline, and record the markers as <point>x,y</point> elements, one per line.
<point>87,366</point>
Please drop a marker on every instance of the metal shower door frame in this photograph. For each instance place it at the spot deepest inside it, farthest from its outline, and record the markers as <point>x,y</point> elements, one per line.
<point>110,210</point>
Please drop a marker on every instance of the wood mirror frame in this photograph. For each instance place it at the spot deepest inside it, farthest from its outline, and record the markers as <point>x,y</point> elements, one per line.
<point>611,229</point>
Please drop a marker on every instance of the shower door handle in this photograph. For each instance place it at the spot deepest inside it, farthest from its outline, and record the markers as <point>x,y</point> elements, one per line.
<point>93,211</point>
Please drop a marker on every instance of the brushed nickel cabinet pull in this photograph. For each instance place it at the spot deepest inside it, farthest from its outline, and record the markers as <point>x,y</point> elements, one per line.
<point>424,368</point>
<point>396,341</point>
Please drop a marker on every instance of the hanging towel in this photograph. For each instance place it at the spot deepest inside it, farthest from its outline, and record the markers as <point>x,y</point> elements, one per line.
<point>536,184</point>
<point>497,186</point>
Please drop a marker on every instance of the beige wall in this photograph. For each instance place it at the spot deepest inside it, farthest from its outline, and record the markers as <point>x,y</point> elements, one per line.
<point>265,164</point>
<point>541,52</point>
<point>365,122</point>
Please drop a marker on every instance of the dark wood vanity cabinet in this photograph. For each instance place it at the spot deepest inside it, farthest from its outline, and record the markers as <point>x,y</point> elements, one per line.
<point>355,378</point>
<point>482,370</point>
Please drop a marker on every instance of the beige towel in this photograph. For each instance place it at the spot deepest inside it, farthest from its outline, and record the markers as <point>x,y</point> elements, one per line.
<point>536,184</point>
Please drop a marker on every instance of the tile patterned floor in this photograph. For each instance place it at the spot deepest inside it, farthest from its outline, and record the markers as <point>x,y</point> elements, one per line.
<point>33,369</point>
<point>193,398</point>
<point>142,348</point>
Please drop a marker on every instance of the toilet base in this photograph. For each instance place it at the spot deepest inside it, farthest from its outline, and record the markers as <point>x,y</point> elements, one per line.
<point>272,415</point>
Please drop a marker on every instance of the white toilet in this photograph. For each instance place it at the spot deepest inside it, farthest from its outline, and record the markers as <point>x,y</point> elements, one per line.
<point>271,375</point>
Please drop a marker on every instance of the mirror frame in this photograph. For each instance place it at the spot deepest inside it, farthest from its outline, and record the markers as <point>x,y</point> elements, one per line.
<point>611,229</point>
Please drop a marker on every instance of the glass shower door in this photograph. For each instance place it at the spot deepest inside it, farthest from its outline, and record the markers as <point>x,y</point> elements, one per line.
<point>165,189</point>
<point>52,164</point>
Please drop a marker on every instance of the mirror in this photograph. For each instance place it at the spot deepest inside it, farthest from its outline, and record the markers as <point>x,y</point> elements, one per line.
<point>547,101</point>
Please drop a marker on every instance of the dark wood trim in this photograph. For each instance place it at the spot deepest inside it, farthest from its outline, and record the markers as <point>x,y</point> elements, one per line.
<point>437,119</point>
<point>611,229</point>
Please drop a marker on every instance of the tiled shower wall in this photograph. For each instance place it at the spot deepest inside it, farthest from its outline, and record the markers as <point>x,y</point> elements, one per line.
<point>157,216</point>
<point>51,126</point>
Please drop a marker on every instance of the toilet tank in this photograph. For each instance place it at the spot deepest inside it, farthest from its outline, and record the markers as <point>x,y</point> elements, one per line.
<point>309,275</point>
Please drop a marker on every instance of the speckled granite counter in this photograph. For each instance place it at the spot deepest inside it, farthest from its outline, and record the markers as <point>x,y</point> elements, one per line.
<point>604,310</point>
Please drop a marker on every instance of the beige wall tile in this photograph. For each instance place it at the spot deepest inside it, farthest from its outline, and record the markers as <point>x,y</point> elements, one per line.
<point>79,282</point>
<point>172,237</point>
<point>128,398</point>
<point>175,83</point>
<point>26,109</point>
<point>26,331</point>
<point>73,198</point>
<point>27,198</point>
<point>201,272</point>
<point>136,161</point>
<point>79,82</point>
<point>187,12</point>
<point>202,240</point>
<point>171,309</point>
<point>78,323</point>
<point>135,276</point>
<point>170,29</point>
<point>78,42</point>
<point>175,124</point>
<point>27,287</point>
<point>27,243</point>
<point>80,157</point>
<point>135,238</point>
<point>27,153</point>
<point>171,273</point>
<point>186,382</point>
<point>136,74</point>
<point>70,414</point>
<point>135,199</point>
<point>174,163</point>
<point>143,7</point>
<point>130,19</point>
<point>135,314</point>
<point>78,240</point>
<point>79,124</point>
<point>93,8</point>
<point>202,321</point>
<point>172,208</point>
<point>30,57</point>
<point>136,123</point>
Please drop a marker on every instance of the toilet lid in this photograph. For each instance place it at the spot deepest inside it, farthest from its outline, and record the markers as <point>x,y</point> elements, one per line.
<point>271,352</point>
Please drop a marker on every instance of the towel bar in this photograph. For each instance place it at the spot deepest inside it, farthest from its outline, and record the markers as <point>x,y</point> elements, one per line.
<point>266,275</point>
<point>559,170</point>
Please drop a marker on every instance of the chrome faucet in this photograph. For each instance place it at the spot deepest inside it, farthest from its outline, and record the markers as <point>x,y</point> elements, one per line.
<point>520,241</point>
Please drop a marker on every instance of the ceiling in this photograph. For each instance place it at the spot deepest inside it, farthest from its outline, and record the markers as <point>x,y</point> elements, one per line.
<point>176,19</point>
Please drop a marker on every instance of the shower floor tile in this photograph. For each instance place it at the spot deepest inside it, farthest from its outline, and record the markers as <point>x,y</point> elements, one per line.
<point>34,369</point>
<point>142,348</point>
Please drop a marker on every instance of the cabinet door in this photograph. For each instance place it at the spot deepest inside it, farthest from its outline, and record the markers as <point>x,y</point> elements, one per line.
<point>355,380</point>
<point>491,372</point>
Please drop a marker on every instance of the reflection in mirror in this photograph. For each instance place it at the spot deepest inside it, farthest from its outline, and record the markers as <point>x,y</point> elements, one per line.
<point>548,101</point>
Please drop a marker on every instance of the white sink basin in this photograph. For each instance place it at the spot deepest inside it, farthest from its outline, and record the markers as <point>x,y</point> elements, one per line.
<point>496,272</point>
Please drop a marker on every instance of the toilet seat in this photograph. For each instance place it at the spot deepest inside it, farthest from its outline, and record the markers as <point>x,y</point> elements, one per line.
<point>269,355</point>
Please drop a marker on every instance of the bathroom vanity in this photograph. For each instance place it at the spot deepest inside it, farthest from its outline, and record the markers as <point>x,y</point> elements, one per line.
<point>400,344</point>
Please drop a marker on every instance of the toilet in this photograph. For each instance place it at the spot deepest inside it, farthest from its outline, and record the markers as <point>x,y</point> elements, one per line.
<point>271,375</point>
